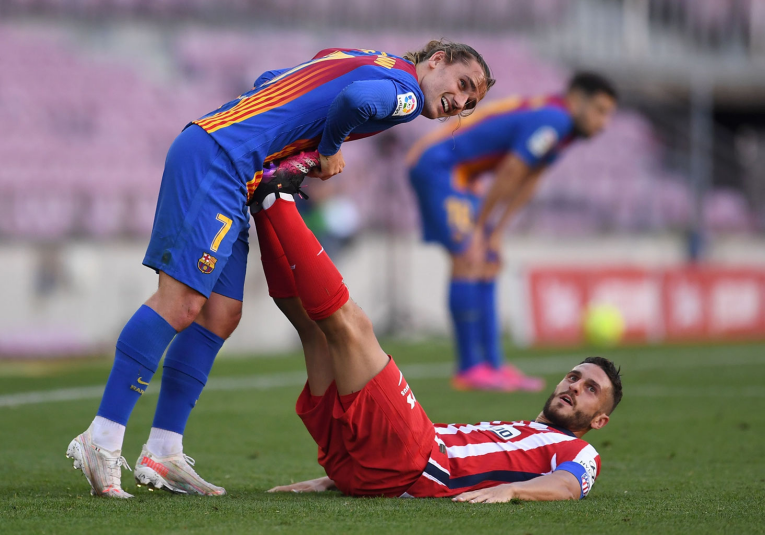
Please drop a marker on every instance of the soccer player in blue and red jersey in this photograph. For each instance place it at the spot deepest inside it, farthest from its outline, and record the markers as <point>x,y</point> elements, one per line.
<point>374,438</point>
<point>515,139</point>
<point>199,241</point>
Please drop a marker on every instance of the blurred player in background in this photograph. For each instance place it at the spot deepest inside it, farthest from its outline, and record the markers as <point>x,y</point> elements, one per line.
<point>199,241</point>
<point>375,439</point>
<point>515,139</point>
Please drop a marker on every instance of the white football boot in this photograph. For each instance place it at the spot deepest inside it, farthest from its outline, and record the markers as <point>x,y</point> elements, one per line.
<point>102,468</point>
<point>173,473</point>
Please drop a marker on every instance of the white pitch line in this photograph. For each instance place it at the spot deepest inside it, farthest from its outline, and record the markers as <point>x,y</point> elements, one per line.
<point>667,391</point>
<point>250,382</point>
<point>531,365</point>
<point>48,396</point>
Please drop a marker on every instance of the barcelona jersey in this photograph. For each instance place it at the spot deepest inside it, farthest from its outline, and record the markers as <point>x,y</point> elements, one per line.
<point>200,235</point>
<point>339,95</point>
<point>534,129</point>
<point>444,164</point>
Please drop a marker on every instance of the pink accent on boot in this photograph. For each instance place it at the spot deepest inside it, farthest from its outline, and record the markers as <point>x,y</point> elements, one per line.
<point>516,377</point>
<point>482,377</point>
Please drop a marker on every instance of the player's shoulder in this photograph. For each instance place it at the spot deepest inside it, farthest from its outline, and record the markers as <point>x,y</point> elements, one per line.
<point>398,69</point>
<point>410,99</point>
<point>386,62</point>
<point>584,449</point>
<point>549,111</point>
<point>543,129</point>
<point>589,458</point>
<point>381,65</point>
<point>583,453</point>
<point>579,451</point>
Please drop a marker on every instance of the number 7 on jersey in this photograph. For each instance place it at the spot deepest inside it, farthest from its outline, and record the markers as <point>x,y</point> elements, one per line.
<point>222,232</point>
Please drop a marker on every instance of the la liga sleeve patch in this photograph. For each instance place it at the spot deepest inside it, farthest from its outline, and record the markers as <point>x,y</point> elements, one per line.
<point>542,141</point>
<point>405,105</point>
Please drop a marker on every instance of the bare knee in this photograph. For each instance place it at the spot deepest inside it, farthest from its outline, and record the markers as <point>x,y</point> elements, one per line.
<point>177,303</point>
<point>233,320</point>
<point>179,313</point>
<point>462,268</point>
<point>221,320</point>
<point>347,323</point>
<point>491,270</point>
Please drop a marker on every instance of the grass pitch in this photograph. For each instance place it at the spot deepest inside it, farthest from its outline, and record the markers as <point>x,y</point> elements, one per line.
<point>683,453</point>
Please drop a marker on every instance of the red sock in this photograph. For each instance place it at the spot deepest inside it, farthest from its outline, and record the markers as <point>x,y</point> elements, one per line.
<point>281,283</point>
<point>318,281</point>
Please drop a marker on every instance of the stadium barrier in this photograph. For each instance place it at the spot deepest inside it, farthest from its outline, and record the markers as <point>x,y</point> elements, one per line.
<point>678,304</point>
<point>73,298</point>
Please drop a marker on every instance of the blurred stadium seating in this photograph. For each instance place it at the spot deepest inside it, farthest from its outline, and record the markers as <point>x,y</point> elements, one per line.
<point>96,90</point>
<point>92,133</point>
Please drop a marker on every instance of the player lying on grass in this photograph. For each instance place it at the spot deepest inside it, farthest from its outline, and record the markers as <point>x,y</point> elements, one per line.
<point>199,240</point>
<point>374,438</point>
<point>515,139</point>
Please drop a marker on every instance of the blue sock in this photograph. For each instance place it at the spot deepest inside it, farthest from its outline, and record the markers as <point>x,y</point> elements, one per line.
<point>466,315</point>
<point>184,374</point>
<point>139,349</point>
<point>491,338</point>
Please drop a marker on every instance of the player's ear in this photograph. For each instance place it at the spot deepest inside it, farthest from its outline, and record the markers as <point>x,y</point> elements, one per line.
<point>436,58</point>
<point>599,421</point>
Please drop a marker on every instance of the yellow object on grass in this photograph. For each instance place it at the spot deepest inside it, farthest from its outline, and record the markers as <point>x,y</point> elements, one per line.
<point>603,325</point>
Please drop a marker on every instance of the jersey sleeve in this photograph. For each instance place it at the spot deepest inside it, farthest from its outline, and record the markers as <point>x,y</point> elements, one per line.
<point>583,463</point>
<point>358,103</point>
<point>539,135</point>
<point>268,75</point>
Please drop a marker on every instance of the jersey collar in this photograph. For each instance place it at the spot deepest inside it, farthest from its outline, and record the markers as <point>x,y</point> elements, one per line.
<point>559,101</point>
<point>562,430</point>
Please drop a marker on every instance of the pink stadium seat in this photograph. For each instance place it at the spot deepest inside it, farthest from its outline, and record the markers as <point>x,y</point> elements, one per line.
<point>99,130</point>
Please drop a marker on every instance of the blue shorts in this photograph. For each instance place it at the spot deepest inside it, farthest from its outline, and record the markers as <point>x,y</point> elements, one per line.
<point>200,233</point>
<point>448,214</point>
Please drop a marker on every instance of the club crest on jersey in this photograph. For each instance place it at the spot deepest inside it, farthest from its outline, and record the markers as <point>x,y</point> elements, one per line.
<point>585,484</point>
<point>206,264</point>
<point>407,103</point>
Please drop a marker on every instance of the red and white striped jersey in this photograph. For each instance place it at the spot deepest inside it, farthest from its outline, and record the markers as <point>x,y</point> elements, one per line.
<point>469,457</point>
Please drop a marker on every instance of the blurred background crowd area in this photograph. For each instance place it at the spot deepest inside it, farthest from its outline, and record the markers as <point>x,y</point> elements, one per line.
<point>93,92</point>
<point>96,90</point>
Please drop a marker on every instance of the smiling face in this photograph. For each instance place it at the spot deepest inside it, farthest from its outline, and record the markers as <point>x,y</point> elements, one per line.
<point>450,88</point>
<point>581,401</point>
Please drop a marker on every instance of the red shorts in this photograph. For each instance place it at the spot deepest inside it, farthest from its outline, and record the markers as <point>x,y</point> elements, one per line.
<point>380,445</point>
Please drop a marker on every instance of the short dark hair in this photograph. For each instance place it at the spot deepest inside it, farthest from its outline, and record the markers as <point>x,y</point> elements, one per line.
<point>591,84</point>
<point>614,374</point>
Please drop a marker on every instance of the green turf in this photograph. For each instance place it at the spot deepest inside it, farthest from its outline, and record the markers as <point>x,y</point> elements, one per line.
<point>682,454</point>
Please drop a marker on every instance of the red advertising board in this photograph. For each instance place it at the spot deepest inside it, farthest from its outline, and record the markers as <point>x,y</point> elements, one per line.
<point>677,304</point>
<point>735,303</point>
<point>684,304</point>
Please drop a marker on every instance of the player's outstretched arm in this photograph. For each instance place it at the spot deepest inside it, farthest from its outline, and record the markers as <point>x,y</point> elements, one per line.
<point>515,201</point>
<point>313,485</point>
<point>358,103</point>
<point>510,179</point>
<point>560,485</point>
